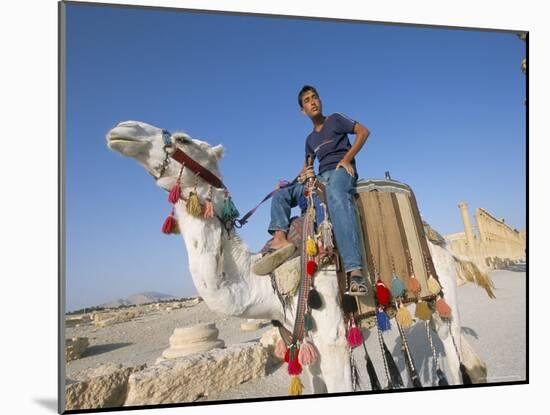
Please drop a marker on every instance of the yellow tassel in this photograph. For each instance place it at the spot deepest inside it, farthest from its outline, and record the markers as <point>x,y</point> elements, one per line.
<point>311,247</point>
<point>296,388</point>
<point>403,317</point>
<point>193,206</point>
<point>433,285</point>
<point>423,311</point>
<point>175,229</point>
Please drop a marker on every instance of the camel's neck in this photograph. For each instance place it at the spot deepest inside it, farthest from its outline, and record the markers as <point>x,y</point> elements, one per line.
<point>220,267</point>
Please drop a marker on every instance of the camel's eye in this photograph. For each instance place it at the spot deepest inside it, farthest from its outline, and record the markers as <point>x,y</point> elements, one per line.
<point>181,139</point>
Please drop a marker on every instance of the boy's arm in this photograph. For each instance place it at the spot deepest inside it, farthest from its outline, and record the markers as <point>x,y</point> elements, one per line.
<point>361,134</point>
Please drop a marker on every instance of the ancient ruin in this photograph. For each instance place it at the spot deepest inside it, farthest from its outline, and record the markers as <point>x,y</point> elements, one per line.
<point>75,347</point>
<point>492,243</point>
<point>193,339</point>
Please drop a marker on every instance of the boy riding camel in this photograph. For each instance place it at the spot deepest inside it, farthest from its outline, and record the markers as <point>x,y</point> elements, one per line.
<point>329,144</point>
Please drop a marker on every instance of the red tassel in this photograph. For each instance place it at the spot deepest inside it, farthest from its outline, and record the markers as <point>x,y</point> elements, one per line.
<point>169,223</point>
<point>443,308</point>
<point>413,285</point>
<point>355,337</point>
<point>287,355</point>
<point>311,267</point>
<point>280,350</point>
<point>382,293</point>
<point>175,193</point>
<point>294,366</point>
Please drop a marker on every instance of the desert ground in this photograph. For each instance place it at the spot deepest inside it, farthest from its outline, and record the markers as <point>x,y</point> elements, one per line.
<point>496,329</point>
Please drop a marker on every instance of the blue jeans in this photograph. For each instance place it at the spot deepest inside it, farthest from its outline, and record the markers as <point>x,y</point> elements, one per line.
<point>340,190</point>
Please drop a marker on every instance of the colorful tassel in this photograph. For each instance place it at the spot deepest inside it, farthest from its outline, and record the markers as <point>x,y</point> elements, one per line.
<point>325,230</point>
<point>169,223</point>
<point>311,247</point>
<point>355,337</point>
<point>382,293</point>
<point>208,209</point>
<point>308,353</point>
<point>397,287</point>
<point>403,316</point>
<point>314,299</point>
<point>423,311</point>
<point>433,285</point>
<point>229,211</point>
<point>443,308</point>
<point>383,320</point>
<point>295,388</point>
<point>175,193</point>
<point>413,286</point>
<point>349,304</point>
<point>280,350</point>
<point>308,323</point>
<point>294,366</point>
<point>193,206</point>
<point>311,267</point>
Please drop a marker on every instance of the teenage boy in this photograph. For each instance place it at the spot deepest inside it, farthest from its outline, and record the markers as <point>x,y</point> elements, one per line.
<point>329,143</point>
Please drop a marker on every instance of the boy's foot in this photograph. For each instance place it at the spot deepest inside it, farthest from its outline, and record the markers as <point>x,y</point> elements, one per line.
<point>357,286</point>
<point>275,256</point>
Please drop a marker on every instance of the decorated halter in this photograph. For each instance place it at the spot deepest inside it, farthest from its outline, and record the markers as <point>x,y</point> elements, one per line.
<point>194,206</point>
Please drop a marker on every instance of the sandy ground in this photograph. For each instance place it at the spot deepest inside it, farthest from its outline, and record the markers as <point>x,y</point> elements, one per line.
<point>496,329</point>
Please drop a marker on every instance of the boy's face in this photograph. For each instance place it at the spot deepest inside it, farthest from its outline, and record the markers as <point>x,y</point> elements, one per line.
<point>311,104</point>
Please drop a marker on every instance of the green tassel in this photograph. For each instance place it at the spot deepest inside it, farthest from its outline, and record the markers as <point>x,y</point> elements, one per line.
<point>308,322</point>
<point>229,211</point>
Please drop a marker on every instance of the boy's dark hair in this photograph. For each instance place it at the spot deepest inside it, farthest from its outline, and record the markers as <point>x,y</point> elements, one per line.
<point>305,89</point>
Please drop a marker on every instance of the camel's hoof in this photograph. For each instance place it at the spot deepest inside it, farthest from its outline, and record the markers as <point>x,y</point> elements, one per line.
<point>272,260</point>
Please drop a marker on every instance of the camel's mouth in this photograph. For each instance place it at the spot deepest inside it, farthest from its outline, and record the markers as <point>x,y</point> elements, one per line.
<point>116,138</point>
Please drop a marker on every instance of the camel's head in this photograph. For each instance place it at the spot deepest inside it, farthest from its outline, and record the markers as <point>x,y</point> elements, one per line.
<point>145,143</point>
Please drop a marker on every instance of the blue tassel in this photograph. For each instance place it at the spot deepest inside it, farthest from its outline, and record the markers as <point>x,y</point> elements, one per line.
<point>397,287</point>
<point>383,320</point>
<point>302,202</point>
<point>229,212</point>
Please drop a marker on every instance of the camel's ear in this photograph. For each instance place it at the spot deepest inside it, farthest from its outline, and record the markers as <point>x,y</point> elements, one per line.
<point>217,151</point>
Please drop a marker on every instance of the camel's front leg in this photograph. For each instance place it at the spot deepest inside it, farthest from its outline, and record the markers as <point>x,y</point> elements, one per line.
<point>329,336</point>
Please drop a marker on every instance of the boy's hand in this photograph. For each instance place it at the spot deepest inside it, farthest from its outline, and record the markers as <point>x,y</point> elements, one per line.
<point>306,173</point>
<point>346,165</point>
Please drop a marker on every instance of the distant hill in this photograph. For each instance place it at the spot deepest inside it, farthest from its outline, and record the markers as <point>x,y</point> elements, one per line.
<point>140,298</point>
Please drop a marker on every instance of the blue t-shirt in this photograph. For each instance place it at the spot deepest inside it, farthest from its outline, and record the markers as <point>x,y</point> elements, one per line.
<point>331,144</point>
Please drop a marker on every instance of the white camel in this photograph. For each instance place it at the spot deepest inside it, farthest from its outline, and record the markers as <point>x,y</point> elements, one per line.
<point>221,265</point>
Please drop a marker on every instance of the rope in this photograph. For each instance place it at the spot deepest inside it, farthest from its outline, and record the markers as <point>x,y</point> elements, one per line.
<point>434,353</point>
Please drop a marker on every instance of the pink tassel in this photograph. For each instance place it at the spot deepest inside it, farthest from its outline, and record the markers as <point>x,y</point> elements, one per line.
<point>280,350</point>
<point>169,223</point>
<point>443,308</point>
<point>175,193</point>
<point>308,353</point>
<point>208,209</point>
<point>355,337</point>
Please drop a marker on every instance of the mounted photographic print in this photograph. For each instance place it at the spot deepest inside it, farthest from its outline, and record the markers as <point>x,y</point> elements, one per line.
<point>260,207</point>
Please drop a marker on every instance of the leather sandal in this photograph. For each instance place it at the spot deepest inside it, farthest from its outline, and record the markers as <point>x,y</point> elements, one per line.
<point>357,286</point>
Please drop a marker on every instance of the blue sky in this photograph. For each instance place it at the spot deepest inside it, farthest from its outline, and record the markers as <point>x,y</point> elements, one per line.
<point>445,109</point>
